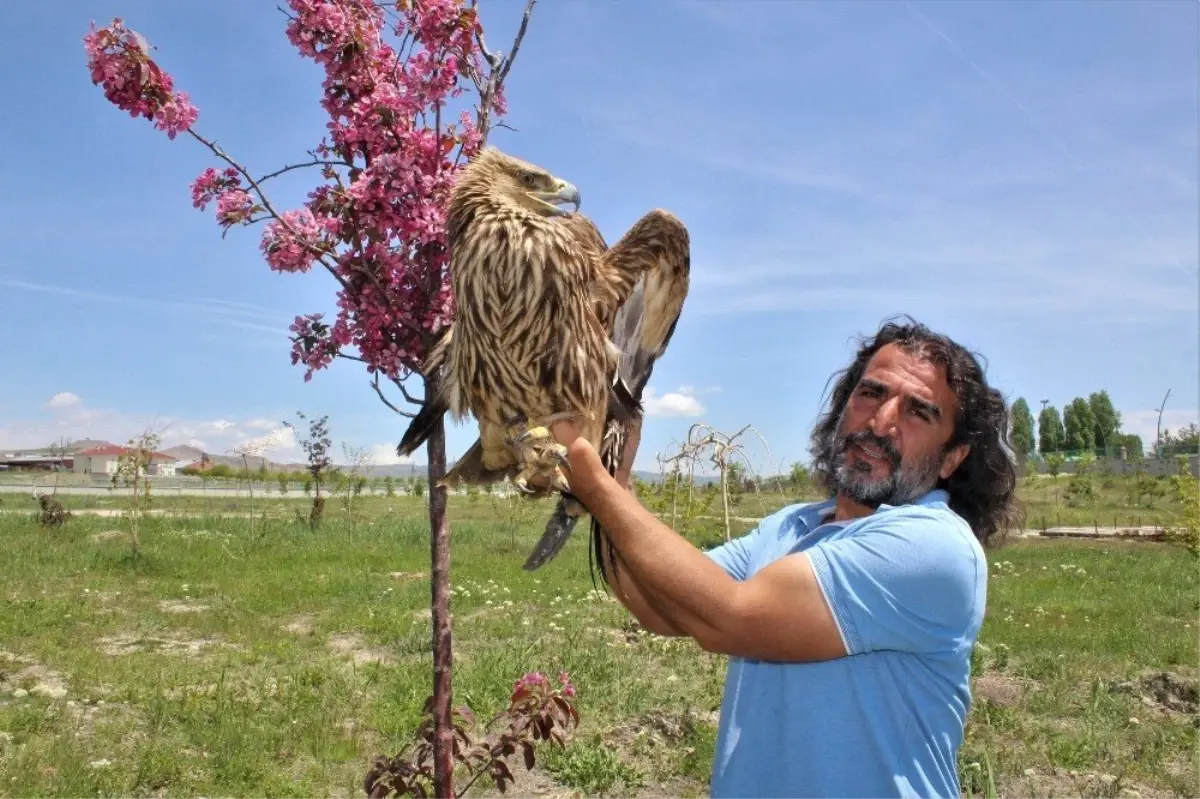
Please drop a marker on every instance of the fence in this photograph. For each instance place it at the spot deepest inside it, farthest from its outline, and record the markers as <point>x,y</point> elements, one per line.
<point>1152,467</point>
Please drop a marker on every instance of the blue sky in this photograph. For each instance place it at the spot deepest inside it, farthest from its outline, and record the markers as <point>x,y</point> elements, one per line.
<point>1022,176</point>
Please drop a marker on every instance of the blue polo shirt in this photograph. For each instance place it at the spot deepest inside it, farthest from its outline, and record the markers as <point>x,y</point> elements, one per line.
<point>907,586</point>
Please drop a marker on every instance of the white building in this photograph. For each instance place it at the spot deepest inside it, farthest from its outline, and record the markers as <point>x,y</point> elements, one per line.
<point>103,460</point>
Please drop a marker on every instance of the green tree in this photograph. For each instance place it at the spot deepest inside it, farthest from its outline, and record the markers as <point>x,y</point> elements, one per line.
<point>1022,429</point>
<point>1080,426</point>
<point>1132,443</point>
<point>1050,431</point>
<point>1107,424</point>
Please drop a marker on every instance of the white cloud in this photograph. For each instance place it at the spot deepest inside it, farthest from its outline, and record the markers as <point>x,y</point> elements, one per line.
<point>279,442</point>
<point>385,455</point>
<point>1145,423</point>
<point>260,424</point>
<point>213,311</point>
<point>63,399</point>
<point>692,391</point>
<point>673,403</point>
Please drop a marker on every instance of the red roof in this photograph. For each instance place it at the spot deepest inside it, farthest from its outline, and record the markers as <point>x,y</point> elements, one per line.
<point>113,449</point>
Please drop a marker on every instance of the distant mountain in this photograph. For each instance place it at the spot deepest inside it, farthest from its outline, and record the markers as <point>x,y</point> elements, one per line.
<point>188,455</point>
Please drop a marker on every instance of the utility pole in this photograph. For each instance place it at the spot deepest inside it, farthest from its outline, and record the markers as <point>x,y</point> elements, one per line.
<point>1158,434</point>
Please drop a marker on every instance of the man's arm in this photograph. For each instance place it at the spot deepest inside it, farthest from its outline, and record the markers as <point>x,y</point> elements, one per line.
<point>630,594</point>
<point>778,614</point>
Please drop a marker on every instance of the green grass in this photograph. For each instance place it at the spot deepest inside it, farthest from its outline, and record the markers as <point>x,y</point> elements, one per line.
<point>1106,500</point>
<point>272,660</point>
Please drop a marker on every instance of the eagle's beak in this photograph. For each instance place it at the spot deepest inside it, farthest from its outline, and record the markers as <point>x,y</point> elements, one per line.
<point>566,194</point>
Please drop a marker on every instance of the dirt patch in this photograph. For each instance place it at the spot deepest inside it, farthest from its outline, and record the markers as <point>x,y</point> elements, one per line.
<point>674,726</point>
<point>89,715</point>
<point>1169,692</point>
<point>176,606</point>
<point>22,676</point>
<point>1002,690</point>
<point>351,646</point>
<point>1057,782</point>
<point>106,535</point>
<point>301,625</point>
<point>116,645</point>
<point>526,783</point>
<point>406,576</point>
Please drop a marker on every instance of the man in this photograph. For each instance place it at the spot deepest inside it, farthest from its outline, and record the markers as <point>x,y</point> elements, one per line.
<point>848,623</point>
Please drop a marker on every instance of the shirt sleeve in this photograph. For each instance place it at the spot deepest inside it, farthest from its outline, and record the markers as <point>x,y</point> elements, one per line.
<point>734,556</point>
<point>912,581</point>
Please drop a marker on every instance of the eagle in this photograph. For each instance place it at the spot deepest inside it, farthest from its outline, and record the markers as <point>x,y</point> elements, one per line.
<point>550,324</point>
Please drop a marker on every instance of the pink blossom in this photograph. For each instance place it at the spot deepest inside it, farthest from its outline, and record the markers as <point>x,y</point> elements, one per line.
<point>530,680</point>
<point>212,184</point>
<point>233,207</point>
<point>393,117</point>
<point>567,688</point>
<point>119,59</point>
<point>292,243</point>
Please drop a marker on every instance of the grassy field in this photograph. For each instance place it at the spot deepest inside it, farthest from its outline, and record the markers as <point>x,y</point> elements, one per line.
<point>258,657</point>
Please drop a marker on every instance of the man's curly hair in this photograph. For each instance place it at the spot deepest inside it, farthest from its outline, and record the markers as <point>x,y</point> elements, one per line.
<point>983,488</point>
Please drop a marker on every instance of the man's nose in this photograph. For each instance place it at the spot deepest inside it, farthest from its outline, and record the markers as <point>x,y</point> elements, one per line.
<point>883,424</point>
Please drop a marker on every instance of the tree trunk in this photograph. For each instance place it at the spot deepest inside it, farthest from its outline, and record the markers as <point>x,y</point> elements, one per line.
<point>439,574</point>
<point>725,500</point>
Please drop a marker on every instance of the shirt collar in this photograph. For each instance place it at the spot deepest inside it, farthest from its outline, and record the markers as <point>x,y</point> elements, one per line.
<point>814,513</point>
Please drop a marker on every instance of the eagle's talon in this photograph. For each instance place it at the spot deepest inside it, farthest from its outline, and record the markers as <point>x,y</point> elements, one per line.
<point>558,481</point>
<point>533,433</point>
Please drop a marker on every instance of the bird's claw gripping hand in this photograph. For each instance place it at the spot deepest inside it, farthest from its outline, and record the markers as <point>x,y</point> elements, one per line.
<point>543,459</point>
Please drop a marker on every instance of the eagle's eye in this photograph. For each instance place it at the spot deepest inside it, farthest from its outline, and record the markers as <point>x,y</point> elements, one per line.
<point>530,179</point>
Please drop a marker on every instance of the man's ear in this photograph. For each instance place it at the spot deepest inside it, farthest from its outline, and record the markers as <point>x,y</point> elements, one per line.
<point>953,459</point>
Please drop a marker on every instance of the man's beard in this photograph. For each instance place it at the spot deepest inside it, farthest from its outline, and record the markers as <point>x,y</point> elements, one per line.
<point>902,485</point>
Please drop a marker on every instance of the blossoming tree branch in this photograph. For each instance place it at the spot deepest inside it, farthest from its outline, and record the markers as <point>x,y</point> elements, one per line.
<point>395,73</point>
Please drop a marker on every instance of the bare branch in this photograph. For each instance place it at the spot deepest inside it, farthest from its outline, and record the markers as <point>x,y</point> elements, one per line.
<point>386,401</point>
<point>262,195</point>
<point>512,54</point>
<point>340,354</point>
<point>290,167</point>
<point>408,397</point>
<point>492,59</point>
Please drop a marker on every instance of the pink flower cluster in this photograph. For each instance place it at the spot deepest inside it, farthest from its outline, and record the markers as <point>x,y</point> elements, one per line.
<point>391,216</point>
<point>292,242</point>
<point>119,59</point>
<point>532,681</point>
<point>380,228</point>
<point>234,204</point>
<point>212,184</point>
<point>313,345</point>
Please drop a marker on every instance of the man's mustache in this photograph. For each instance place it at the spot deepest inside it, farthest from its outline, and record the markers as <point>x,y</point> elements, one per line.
<point>867,438</point>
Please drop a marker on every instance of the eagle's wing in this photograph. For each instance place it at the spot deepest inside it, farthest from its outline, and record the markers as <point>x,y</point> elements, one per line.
<point>649,310</point>
<point>642,284</point>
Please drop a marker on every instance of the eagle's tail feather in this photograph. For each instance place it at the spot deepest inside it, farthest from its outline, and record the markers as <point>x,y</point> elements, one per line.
<point>622,405</point>
<point>422,425</point>
<point>558,530</point>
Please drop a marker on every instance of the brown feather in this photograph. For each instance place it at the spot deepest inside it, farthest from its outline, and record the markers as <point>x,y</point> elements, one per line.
<point>549,322</point>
